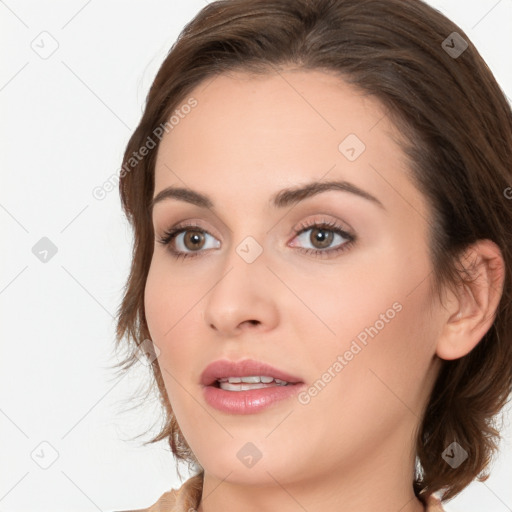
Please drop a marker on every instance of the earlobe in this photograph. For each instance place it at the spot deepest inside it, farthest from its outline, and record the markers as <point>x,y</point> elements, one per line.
<point>473,305</point>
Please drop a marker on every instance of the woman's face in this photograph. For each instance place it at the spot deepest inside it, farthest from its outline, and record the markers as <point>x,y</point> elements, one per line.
<point>352,321</point>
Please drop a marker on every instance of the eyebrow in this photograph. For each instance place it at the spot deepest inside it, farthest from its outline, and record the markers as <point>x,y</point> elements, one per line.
<point>281,199</point>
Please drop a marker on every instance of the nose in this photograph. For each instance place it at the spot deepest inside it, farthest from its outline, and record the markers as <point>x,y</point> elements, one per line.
<point>243,297</point>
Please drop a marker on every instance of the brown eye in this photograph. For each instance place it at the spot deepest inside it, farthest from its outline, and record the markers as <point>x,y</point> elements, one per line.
<point>193,240</point>
<point>321,237</point>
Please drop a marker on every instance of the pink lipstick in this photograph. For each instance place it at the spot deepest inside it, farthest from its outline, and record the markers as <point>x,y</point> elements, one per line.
<point>247,386</point>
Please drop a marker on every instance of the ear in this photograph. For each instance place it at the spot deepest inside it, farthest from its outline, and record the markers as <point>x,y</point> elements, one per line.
<point>472,307</point>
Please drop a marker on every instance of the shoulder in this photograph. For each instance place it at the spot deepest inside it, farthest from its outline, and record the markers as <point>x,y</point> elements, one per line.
<point>178,500</point>
<point>165,503</point>
<point>189,495</point>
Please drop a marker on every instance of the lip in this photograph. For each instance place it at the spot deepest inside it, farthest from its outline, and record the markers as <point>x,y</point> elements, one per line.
<point>249,401</point>
<point>224,368</point>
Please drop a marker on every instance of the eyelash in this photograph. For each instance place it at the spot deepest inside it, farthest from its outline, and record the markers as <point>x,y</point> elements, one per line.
<point>332,226</point>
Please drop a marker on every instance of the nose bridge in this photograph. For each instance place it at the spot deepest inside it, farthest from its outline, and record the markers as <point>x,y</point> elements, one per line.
<point>242,291</point>
<point>247,239</point>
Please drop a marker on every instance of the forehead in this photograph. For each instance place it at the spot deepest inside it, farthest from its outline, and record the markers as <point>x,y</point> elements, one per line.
<point>275,130</point>
<point>254,109</point>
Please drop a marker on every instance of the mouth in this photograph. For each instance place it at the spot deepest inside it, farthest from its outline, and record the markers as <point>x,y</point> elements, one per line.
<point>245,375</point>
<point>247,386</point>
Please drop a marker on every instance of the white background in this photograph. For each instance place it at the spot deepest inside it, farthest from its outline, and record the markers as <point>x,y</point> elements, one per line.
<point>65,122</point>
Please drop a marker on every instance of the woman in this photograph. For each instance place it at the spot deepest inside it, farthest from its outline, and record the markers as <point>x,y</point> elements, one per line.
<point>322,264</point>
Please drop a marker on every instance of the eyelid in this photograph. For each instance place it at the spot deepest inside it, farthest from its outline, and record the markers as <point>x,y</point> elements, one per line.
<point>295,230</point>
<point>190,224</point>
<point>322,219</point>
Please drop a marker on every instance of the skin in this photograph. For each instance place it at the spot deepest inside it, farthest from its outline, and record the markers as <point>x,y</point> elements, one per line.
<point>351,448</point>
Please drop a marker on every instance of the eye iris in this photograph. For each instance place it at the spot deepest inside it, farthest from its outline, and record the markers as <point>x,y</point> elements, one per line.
<point>318,235</point>
<point>195,238</point>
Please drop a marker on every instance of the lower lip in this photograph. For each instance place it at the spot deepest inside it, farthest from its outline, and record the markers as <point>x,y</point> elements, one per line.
<point>251,401</point>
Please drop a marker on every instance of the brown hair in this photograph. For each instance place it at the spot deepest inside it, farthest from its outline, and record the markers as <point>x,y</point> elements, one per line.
<point>458,127</point>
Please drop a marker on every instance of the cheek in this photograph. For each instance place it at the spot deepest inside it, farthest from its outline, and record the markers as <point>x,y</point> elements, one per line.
<point>173,313</point>
<point>170,300</point>
<point>372,378</point>
<point>156,303</point>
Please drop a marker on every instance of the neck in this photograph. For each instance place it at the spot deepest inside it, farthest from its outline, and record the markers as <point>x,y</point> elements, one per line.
<point>379,482</point>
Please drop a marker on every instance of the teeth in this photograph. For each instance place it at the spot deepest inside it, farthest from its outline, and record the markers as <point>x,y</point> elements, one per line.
<point>247,380</point>
<point>253,380</point>
<point>250,382</point>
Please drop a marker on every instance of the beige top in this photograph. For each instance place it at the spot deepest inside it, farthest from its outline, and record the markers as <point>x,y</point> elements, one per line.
<point>188,497</point>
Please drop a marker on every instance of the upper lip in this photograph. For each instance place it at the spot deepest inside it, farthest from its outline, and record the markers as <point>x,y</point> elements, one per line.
<point>224,368</point>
